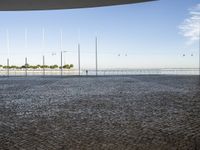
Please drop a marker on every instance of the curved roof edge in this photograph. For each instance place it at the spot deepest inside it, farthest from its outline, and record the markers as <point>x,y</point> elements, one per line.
<point>17,5</point>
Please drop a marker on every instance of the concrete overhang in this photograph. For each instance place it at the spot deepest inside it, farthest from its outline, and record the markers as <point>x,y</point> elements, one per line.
<point>14,5</point>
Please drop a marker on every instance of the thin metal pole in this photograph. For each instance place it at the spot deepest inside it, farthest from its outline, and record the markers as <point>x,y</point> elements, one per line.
<point>26,47</point>
<point>61,39</point>
<point>96,56</point>
<point>199,53</point>
<point>8,65</point>
<point>79,60</point>
<point>61,54</point>
<point>199,56</point>
<point>8,49</point>
<point>26,66</point>
<point>61,69</point>
<point>43,60</point>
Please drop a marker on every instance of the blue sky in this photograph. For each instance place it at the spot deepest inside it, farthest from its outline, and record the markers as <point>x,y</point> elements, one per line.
<point>145,35</point>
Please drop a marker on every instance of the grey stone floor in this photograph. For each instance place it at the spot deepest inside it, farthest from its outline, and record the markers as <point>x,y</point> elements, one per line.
<point>100,113</point>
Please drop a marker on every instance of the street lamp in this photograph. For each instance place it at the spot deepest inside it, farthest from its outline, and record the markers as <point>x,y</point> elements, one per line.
<point>61,62</point>
<point>43,62</point>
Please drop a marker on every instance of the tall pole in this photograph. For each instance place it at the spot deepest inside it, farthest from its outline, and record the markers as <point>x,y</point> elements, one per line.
<point>79,60</point>
<point>43,62</point>
<point>8,65</point>
<point>8,49</point>
<point>26,66</point>
<point>26,45</point>
<point>61,65</point>
<point>43,49</point>
<point>61,54</point>
<point>96,56</point>
<point>199,53</point>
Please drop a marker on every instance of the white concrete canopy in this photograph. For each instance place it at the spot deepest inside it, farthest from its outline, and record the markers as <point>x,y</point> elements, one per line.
<point>14,5</point>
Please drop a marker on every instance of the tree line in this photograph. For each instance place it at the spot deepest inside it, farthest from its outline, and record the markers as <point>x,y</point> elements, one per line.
<point>67,66</point>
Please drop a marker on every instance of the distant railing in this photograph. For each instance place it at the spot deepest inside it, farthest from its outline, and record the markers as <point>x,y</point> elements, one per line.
<point>162,71</point>
<point>36,72</point>
<point>106,72</point>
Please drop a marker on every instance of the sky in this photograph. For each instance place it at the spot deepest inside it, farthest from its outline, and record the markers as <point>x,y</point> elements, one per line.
<point>159,34</point>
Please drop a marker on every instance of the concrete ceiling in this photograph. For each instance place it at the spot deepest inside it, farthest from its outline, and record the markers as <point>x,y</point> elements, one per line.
<point>14,5</point>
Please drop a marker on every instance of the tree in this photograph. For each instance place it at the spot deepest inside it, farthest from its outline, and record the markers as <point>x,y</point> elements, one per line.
<point>34,67</point>
<point>66,66</point>
<point>22,67</point>
<point>5,67</point>
<point>71,66</point>
<point>54,66</point>
<point>44,66</point>
<point>13,67</point>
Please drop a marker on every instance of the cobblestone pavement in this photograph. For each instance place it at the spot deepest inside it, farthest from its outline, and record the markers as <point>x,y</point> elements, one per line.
<point>100,113</point>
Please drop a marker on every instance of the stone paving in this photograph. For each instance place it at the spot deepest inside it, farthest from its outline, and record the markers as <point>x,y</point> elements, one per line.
<point>100,113</point>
